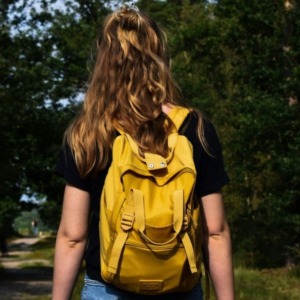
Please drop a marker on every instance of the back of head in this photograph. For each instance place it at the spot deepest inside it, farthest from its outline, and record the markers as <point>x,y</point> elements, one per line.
<point>133,67</point>
<point>130,83</point>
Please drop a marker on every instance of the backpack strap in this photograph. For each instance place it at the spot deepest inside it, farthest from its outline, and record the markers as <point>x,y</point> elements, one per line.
<point>126,224</point>
<point>154,162</point>
<point>178,114</point>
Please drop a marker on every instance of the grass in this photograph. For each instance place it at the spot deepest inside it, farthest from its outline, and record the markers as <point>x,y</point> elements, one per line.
<point>266,284</point>
<point>33,265</point>
<point>78,287</point>
<point>44,249</point>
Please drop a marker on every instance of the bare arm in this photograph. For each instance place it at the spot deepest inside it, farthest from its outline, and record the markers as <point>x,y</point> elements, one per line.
<point>70,242</point>
<point>217,246</point>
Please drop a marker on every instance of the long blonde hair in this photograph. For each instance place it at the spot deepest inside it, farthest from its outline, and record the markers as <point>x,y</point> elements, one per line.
<point>130,82</point>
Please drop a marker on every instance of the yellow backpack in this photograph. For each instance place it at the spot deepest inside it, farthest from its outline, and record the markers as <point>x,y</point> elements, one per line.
<point>150,233</point>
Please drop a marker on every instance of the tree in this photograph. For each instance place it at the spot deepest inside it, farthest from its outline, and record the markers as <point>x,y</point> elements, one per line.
<point>259,130</point>
<point>44,54</point>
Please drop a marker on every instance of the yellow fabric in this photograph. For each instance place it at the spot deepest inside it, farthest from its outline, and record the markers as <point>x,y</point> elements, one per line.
<point>150,235</point>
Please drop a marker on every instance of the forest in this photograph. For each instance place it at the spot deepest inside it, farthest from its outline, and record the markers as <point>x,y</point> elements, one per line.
<point>237,61</point>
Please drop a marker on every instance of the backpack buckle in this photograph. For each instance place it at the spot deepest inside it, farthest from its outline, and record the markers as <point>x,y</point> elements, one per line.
<point>127,221</point>
<point>186,219</point>
<point>185,223</point>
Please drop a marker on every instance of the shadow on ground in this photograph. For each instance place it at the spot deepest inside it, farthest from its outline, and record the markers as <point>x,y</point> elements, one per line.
<point>26,274</point>
<point>22,278</point>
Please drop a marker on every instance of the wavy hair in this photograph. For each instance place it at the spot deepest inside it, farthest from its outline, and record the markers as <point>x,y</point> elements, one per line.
<point>130,82</point>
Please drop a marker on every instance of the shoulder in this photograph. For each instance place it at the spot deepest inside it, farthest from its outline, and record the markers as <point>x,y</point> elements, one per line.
<point>211,175</point>
<point>193,121</point>
<point>66,168</point>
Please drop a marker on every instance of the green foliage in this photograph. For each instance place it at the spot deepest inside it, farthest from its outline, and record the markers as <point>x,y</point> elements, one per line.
<point>260,135</point>
<point>266,284</point>
<point>43,249</point>
<point>44,54</point>
<point>8,211</point>
<point>24,222</point>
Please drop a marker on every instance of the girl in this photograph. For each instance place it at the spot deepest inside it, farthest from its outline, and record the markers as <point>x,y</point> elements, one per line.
<point>131,88</point>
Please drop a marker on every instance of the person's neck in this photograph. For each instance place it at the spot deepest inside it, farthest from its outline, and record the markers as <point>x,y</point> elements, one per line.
<point>166,108</point>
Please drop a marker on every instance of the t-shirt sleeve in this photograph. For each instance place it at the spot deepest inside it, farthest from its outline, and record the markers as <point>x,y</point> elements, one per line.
<point>211,174</point>
<point>67,169</point>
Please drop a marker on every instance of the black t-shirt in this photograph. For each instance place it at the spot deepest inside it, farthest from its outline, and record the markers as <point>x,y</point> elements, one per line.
<point>211,176</point>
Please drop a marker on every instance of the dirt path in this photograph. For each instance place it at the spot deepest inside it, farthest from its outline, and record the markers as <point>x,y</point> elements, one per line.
<point>24,279</point>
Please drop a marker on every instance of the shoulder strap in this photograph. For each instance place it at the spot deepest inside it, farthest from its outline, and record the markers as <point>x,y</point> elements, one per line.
<point>178,114</point>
